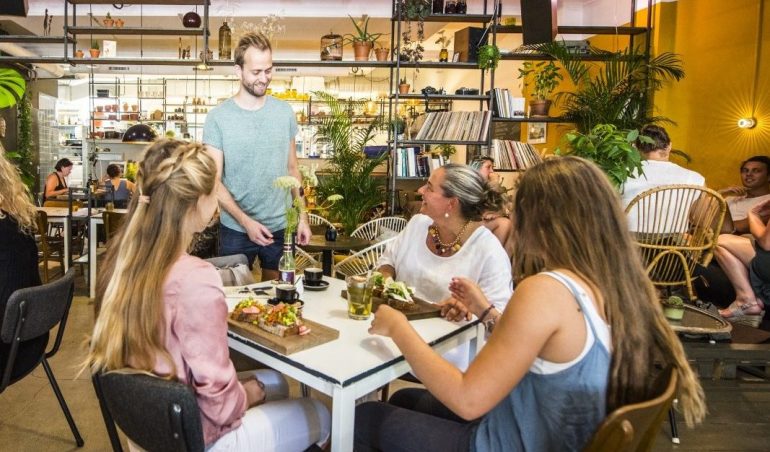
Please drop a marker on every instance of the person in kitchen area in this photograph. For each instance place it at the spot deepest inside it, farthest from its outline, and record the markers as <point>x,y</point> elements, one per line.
<point>56,182</point>
<point>251,138</point>
<point>174,322</point>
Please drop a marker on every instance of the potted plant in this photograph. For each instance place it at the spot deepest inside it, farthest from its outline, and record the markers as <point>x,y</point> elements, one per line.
<point>349,172</point>
<point>13,87</point>
<point>94,50</point>
<point>546,78</point>
<point>446,150</point>
<point>108,21</point>
<point>617,90</point>
<point>398,124</point>
<point>489,56</point>
<point>403,86</point>
<point>413,10</point>
<point>382,53</point>
<point>612,149</point>
<point>362,40</point>
<point>78,53</point>
<point>444,42</point>
<point>673,308</point>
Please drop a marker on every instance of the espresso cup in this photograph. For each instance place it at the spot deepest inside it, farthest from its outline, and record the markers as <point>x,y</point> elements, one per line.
<point>286,293</point>
<point>313,276</point>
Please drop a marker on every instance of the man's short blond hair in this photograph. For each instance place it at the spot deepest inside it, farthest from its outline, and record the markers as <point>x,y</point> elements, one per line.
<point>253,39</point>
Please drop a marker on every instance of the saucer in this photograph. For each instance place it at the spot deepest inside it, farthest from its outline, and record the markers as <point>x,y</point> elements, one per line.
<point>322,285</point>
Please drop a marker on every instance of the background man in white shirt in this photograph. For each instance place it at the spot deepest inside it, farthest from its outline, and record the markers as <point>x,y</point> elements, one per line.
<point>755,177</point>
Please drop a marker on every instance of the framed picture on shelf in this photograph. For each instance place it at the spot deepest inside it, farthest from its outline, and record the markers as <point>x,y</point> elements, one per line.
<point>536,133</point>
<point>456,57</point>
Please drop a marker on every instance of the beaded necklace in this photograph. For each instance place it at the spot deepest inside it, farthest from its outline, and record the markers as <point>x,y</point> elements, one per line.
<point>443,248</point>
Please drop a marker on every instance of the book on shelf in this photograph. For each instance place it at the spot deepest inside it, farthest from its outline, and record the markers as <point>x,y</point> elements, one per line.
<point>514,155</point>
<point>412,162</point>
<point>507,106</point>
<point>455,126</point>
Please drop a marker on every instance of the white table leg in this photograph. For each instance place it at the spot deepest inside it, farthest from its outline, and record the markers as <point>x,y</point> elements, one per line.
<point>67,243</point>
<point>343,419</point>
<point>92,257</point>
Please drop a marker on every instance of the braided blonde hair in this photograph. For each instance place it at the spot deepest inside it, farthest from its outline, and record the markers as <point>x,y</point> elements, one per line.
<point>129,328</point>
<point>15,197</point>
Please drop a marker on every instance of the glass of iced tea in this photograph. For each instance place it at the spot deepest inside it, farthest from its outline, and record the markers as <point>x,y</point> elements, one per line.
<point>359,297</point>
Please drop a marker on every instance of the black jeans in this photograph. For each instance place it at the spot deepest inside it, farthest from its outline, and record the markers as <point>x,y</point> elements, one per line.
<point>413,420</point>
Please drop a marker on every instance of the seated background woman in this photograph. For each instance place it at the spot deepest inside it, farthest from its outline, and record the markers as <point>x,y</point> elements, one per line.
<point>123,188</point>
<point>56,182</point>
<point>496,219</point>
<point>748,268</point>
<point>18,256</point>
<point>163,311</point>
<point>447,239</point>
<point>579,338</point>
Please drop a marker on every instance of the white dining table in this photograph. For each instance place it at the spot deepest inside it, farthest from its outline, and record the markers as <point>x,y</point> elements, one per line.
<point>356,363</point>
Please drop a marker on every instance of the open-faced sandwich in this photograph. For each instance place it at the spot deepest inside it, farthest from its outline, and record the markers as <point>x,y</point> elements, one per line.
<point>398,294</point>
<point>282,319</point>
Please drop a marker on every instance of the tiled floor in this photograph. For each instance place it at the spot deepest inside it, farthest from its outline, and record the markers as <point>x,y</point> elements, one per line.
<point>31,420</point>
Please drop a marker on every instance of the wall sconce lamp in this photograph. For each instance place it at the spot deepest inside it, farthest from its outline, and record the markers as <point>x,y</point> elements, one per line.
<point>747,123</point>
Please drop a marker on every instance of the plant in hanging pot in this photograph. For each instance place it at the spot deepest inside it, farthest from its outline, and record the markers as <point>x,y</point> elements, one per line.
<point>94,50</point>
<point>362,40</point>
<point>489,56</point>
<point>546,77</point>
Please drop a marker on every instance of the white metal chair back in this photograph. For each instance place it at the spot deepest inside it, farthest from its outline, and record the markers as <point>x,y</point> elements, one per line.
<point>373,229</point>
<point>303,260</point>
<point>318,220</point>
<point>362,261</point>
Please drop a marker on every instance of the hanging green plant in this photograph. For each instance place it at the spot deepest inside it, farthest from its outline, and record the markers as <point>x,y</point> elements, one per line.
<point>489,56</point>
<point>23,155</point>
<point>12,87</point>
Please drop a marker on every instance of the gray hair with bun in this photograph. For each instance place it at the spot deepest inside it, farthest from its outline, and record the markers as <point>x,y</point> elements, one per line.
<point>474,194</point>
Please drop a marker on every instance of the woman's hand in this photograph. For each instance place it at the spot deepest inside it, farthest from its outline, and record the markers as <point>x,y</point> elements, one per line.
<point>469,294</point>
<point>387,321</point>
<point>255,391</point>
<point>453,310</point>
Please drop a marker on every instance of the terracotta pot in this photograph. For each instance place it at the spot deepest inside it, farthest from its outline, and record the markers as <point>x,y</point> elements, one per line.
<point>94,53</point>
<point>361,50</point>
<point>78,54</point>
<point>539,107</point>
<point>108,22</point>
<point>404,88</point>
<point>119,23</point>
<point>382,54</point>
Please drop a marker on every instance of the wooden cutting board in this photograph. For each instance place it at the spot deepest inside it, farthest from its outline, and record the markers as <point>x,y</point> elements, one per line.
<point>424,309</point>
<point>319,334</point>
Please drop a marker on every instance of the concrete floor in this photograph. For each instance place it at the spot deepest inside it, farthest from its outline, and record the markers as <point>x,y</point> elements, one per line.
<point>31,420</point>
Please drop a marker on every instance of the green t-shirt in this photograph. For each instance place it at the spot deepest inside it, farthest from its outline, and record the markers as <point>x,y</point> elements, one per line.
<point>256,150</point>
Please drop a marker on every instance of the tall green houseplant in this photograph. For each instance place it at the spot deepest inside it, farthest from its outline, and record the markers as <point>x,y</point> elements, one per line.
<point>12,89</point>
<point>349,171</point>
<point>616,90</point>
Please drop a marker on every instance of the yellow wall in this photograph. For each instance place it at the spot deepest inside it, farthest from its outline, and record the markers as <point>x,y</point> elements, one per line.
<point>717,40</point>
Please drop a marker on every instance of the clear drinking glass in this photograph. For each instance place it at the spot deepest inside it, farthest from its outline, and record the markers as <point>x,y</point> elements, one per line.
<point>359,297</point>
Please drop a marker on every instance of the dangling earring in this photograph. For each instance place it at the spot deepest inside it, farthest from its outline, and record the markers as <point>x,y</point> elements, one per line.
<point>446,214</point>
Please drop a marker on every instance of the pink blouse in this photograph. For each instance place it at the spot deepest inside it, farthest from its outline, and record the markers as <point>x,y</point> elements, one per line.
<point>196,338</point>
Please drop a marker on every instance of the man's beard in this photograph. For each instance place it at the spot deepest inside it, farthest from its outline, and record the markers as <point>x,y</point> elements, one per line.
<point>250,89</point>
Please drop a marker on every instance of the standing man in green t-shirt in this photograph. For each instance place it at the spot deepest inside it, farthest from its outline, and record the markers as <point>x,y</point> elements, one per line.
<point>251,138</point>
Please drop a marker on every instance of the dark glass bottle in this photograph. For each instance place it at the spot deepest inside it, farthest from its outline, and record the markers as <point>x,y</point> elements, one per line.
<point>450,7</point>
<point>438,7</point>
<point>224,42</point>
<point>461,7</point>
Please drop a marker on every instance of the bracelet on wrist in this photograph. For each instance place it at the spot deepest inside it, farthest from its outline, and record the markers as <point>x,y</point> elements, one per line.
<point>486,312</point>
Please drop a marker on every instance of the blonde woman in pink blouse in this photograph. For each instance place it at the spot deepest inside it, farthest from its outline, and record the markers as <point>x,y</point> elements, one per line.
<point>163,311</point>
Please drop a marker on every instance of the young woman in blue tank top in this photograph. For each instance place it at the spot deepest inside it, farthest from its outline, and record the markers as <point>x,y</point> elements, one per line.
<point>574,343</point>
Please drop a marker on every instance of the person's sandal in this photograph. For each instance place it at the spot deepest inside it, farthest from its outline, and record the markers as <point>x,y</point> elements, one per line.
<point>739,316</point>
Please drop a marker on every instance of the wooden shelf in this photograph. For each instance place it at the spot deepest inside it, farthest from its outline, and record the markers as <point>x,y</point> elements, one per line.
<point>453,97</point>
<point>140,2</point>
<point>427,142</point>
<point>580,30</point>
<point>459,18</point>
<point>532,119</point>
<point>437,65</point>
<point>540,56</point>
<point>136,31</point>
<point>32,39</point>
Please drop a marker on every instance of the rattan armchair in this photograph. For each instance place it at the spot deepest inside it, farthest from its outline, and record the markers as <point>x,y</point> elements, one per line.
<point>361,262</point>
<point>676,228</point>
<point>374,228</point>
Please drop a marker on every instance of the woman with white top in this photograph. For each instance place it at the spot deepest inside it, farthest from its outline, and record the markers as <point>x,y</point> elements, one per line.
<point>579,338</point>
<point>447,239</point>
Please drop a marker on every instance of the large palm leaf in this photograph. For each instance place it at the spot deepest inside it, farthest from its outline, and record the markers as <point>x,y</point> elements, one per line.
<point>12,87</point>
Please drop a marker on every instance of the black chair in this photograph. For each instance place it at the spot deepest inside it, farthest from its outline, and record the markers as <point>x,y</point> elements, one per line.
<point>155,414</point>
<point>29,316</point>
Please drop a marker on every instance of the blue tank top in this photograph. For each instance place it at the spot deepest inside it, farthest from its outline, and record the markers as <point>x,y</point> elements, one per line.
<point>552,412</point>
<point>121,192</point>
